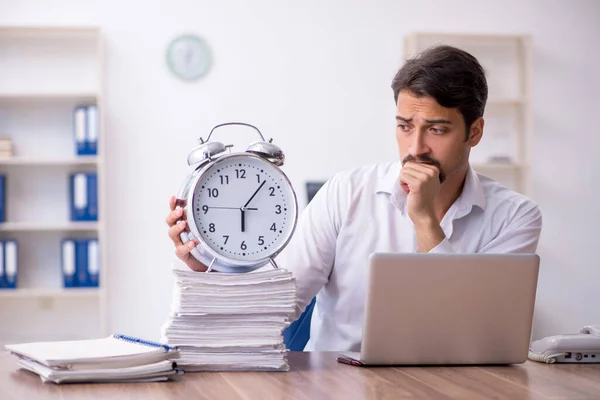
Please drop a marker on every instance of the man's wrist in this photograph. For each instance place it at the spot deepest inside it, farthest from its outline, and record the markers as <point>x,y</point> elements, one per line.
<point>425,222</point>
<point>429,233</point>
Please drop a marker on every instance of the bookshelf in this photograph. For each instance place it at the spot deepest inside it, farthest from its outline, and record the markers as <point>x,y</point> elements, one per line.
<point>504,152</point>
<point>45,73</point>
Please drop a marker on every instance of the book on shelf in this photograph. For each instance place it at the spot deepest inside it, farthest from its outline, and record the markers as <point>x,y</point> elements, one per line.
<point>116,358</point>
<point>80,263</point>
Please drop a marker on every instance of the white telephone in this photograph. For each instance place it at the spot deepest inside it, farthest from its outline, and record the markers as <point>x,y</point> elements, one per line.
<point>583,347</point>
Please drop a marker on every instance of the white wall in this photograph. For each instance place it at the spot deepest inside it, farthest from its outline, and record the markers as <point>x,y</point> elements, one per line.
<point>315,76</point>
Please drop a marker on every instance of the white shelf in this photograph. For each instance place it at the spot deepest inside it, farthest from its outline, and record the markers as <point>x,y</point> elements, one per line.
<point>491,166</point>
<point>54,293</point>
<point>507,101</point>
<point>48,227</point>
<point>37,106</point>
<point>76,97</point>
<point>30,161</point>
<point>23,31</point>
<point>470,36</point>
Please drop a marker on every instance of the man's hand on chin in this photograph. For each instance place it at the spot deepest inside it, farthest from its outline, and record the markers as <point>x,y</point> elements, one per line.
<point>421,183</point>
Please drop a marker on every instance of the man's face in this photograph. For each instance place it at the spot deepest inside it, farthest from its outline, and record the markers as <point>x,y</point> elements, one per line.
<point>428,133</point>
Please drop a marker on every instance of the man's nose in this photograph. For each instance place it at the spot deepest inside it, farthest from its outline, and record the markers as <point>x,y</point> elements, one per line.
<point>419,145</point>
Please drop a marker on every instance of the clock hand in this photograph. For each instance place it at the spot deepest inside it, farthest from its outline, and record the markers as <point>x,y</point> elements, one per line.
<point>243,208</point>
<point>232,208</point>
<point>254,194</point>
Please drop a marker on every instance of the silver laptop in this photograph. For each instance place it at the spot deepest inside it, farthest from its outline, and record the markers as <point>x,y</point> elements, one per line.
<point>427,309</point>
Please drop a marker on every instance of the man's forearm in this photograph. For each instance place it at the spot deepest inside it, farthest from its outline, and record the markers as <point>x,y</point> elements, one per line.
<point>429,234</point>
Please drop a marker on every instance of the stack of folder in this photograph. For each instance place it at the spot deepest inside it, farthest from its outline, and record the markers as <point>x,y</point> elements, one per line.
<point>6,147</point>
<point>231,322</point>
<point>117,358</point>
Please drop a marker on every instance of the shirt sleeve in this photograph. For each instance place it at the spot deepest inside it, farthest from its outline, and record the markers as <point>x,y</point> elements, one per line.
<point>521,235</point>
<point>310,253</point>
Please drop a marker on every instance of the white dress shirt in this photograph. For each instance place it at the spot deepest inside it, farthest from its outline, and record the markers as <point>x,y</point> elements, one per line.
<point>363,211</point>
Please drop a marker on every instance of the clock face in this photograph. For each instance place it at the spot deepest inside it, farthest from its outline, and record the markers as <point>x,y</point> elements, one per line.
<point>244,208</point>
<point>188,57</point>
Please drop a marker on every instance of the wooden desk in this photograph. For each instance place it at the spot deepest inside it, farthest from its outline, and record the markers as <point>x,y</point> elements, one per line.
<point>318,376</point>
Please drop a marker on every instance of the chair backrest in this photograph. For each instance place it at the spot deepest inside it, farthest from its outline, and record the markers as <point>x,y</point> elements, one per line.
<point>297,334</point>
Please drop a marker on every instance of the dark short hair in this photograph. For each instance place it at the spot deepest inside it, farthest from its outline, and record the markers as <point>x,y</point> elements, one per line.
<point>453,77</point>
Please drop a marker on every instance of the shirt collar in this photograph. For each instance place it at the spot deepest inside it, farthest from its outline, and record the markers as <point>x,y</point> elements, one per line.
<point>472,193</point>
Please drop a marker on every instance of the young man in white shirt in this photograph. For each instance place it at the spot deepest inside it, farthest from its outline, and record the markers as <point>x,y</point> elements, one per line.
<point>431,201</point>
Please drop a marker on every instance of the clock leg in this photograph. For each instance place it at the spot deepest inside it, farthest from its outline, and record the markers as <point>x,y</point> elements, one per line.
<point>273,263</point>
<point>211,264</point>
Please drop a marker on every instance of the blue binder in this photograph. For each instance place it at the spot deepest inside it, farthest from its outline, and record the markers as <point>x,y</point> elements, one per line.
<point>79,199</point>
<point>92,195</point>
<point>81,263</point>
<point>92,128</point>
<point>11,264</point>
<point>79,130</point>
<point>2,278</point>
<point>93,263</point>
<point>68,260</point>
<point>84,196</point>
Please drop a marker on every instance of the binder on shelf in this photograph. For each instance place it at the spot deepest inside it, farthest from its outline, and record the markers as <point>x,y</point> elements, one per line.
<point>2,279</point>
<point>79,128</point>
<point>92,195</point>
<point>68,263</point>
<point>85,129</point>
<point>84,197</point>
<point>91,139</point>
<point>2,198</point>
<point>80,263</point>
<point>93,263</point>
<point>11,264</point>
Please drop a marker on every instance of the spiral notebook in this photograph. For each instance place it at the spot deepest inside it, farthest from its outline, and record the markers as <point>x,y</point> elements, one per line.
<point>115,358</point>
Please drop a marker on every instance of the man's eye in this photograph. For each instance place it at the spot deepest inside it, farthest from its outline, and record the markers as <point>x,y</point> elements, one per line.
<point>403,128</point>
<point>437,131</point>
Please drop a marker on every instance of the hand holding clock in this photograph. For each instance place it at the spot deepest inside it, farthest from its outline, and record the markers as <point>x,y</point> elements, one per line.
<point>177,222</point>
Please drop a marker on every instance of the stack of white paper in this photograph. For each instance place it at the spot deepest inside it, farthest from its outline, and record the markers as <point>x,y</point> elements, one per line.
<point>230,322</point>
<point>117,358</point>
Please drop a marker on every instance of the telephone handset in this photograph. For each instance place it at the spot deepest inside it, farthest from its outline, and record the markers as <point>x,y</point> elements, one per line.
<point>583,347</point>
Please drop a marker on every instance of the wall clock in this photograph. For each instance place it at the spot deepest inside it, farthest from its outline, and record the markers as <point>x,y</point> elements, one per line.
<point>188,57</point>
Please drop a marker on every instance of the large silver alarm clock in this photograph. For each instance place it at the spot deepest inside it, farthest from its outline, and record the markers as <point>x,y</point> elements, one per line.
<point>241,206</point>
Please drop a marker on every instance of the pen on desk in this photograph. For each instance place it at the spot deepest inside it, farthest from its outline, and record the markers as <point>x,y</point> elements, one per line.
<point>349,361</point>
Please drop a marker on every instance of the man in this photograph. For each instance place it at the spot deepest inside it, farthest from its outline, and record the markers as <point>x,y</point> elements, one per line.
<point>430,202</point>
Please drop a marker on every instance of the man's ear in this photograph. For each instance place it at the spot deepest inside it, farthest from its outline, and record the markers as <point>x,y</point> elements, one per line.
<point>476,132</point>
